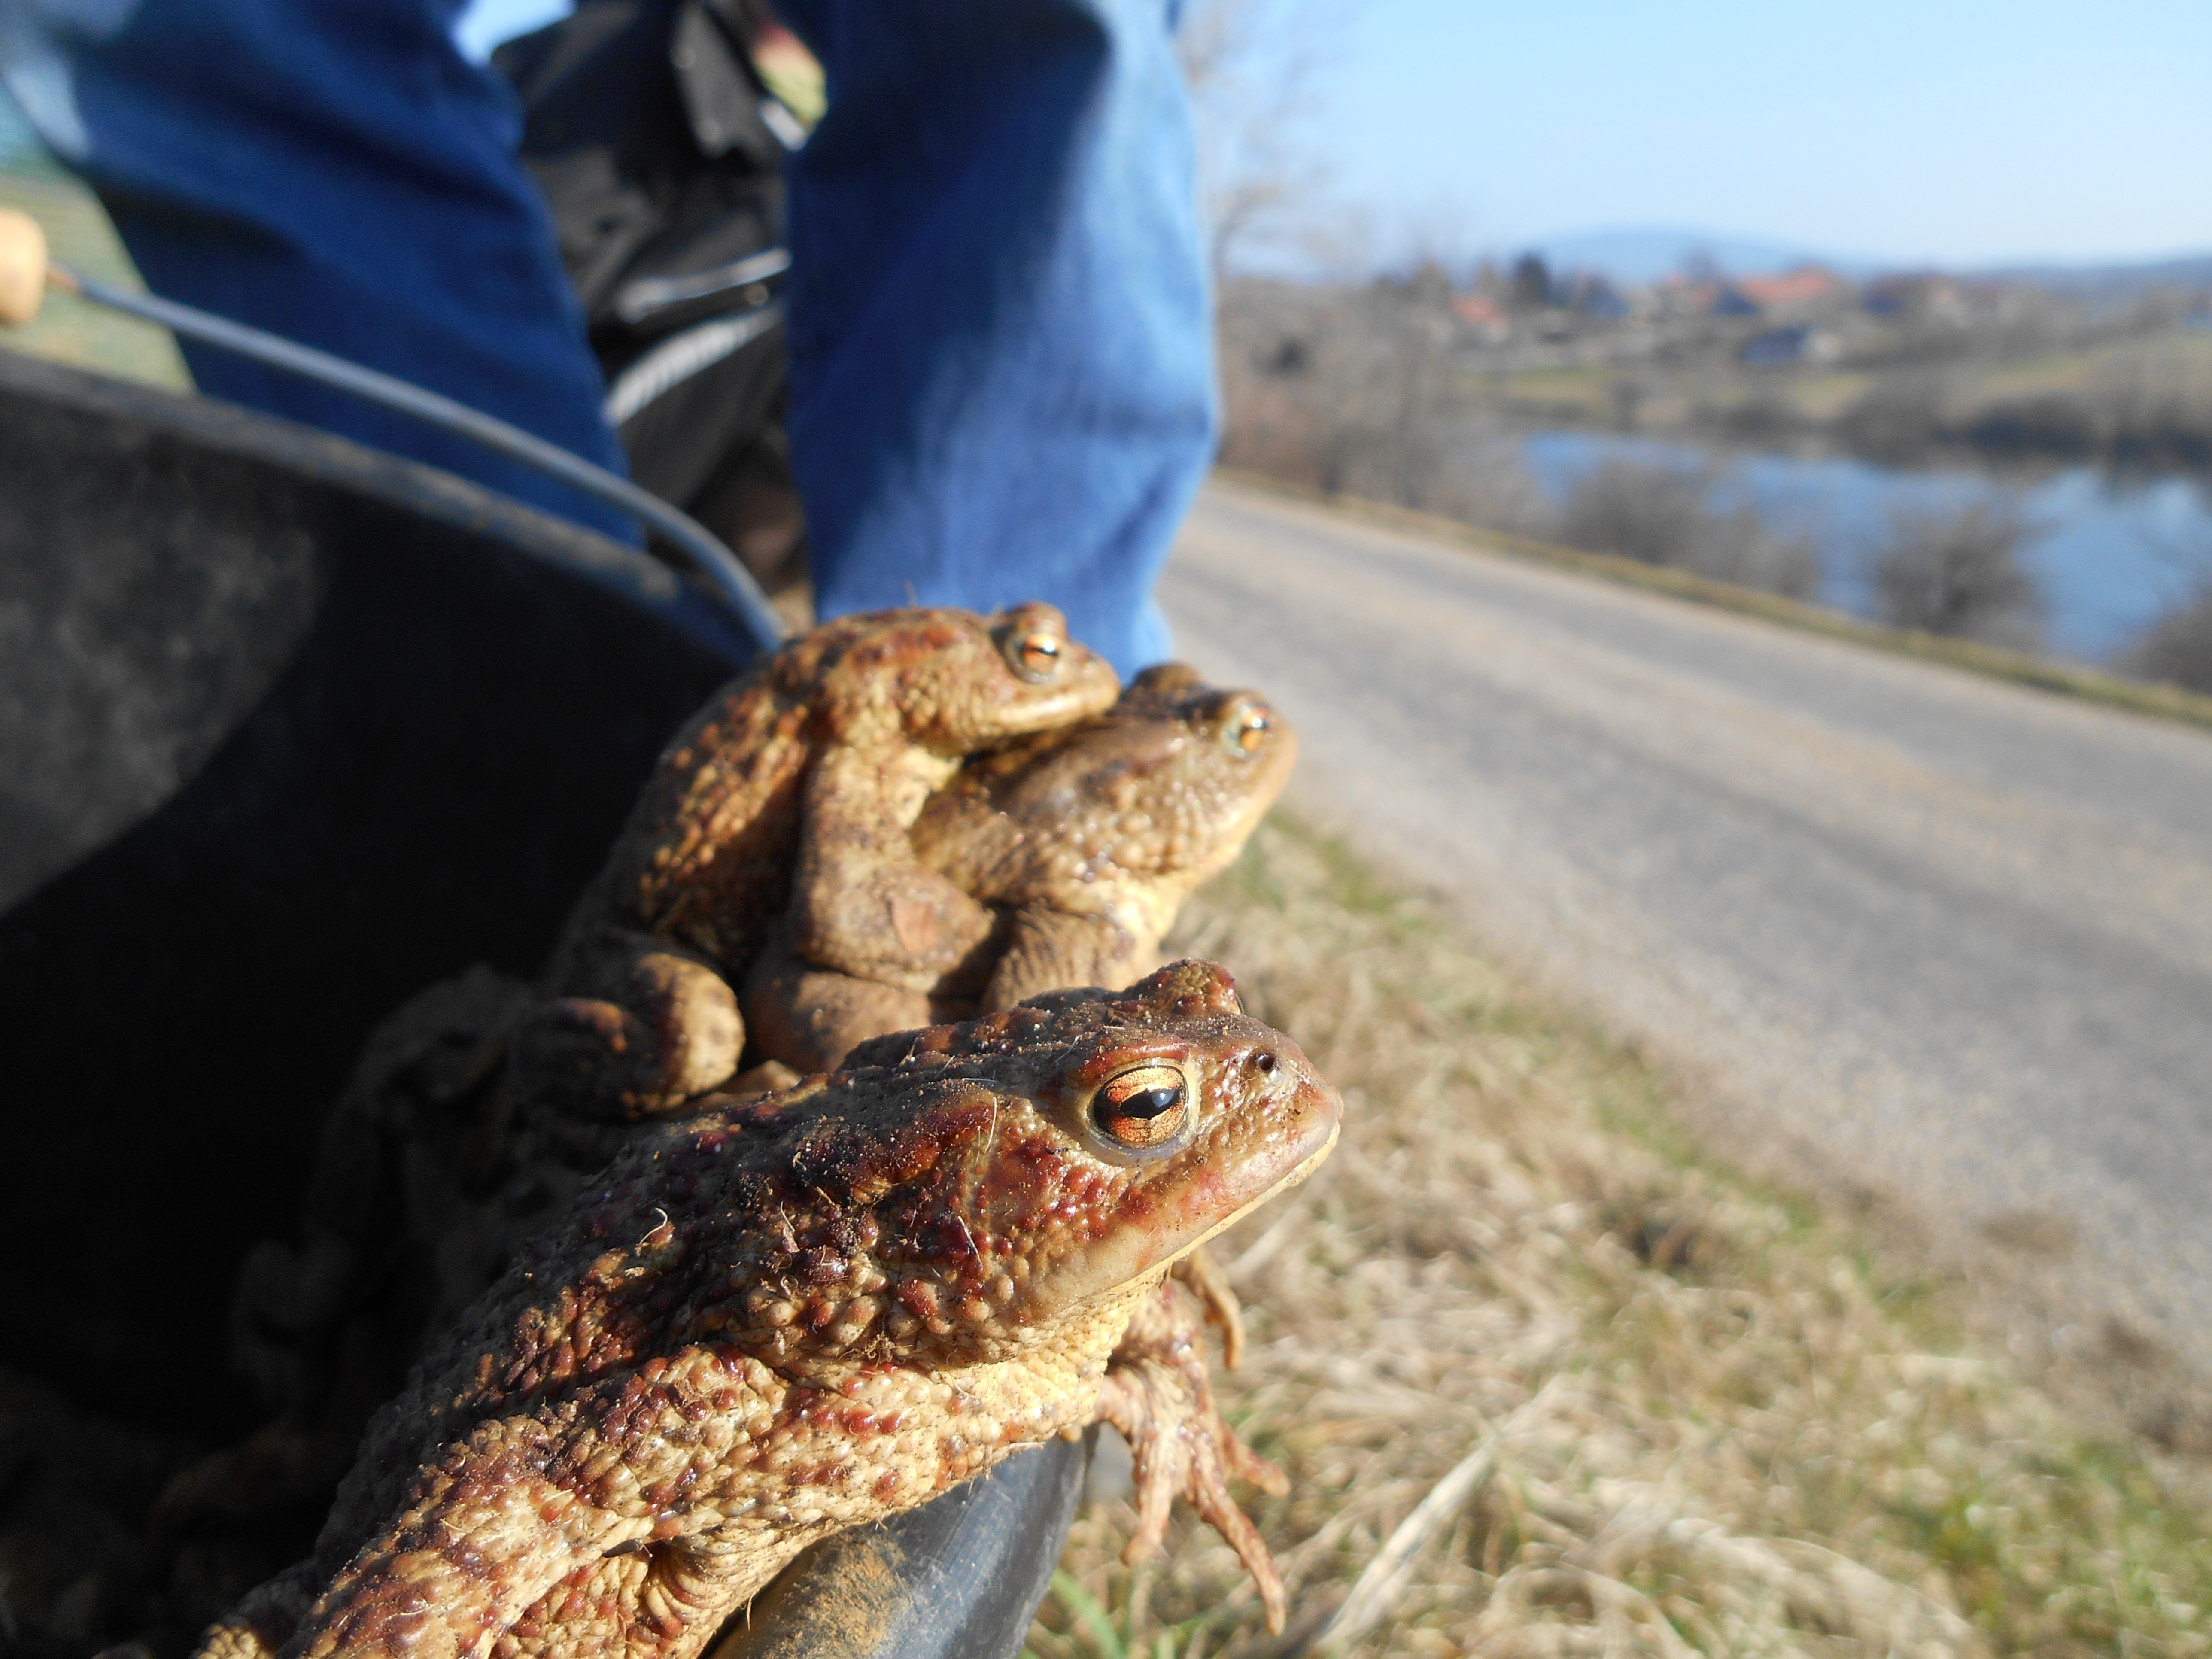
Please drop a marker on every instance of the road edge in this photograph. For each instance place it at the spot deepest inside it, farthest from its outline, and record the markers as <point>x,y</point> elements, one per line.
<point>2163,702</point>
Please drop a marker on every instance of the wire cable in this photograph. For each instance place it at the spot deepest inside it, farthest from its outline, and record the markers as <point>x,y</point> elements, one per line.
<point>721,568</point>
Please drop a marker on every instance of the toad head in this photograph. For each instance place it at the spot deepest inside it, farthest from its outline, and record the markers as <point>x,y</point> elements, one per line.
<point>1086,1141</point>
<point>967,1191</point>
<point>948,681</point>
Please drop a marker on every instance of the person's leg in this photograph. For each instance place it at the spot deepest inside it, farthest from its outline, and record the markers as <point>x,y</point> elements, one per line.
<point>1002,364</point>
<point>335,172</point>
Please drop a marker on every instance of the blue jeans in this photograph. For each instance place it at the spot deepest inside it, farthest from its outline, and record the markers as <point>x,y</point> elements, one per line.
<point>333,170</point>
<point>1001,359</point>
<point>1001,373</point>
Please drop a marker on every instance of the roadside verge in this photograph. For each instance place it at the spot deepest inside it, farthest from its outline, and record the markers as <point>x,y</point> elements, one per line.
<point>2063,679</point>
<point>1578,1388</point>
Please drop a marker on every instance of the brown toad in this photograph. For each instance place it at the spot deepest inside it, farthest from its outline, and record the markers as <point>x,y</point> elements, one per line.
<point>437,1164</point>
<point>1084,841</point>
<point>800,779</point>
<point>776,1320</point>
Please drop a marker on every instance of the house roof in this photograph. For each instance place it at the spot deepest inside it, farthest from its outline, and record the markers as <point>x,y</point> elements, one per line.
<point>1791,288</point>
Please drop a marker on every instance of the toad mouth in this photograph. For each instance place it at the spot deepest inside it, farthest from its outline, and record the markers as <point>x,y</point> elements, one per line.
<point>1306,1167</point>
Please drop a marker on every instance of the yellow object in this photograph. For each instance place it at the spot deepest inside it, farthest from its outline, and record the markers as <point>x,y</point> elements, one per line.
<point>22,267</point>
<point>792,74</point>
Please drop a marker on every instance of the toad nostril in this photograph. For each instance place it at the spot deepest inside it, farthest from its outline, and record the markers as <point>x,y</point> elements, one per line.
<point>1263,1061</point>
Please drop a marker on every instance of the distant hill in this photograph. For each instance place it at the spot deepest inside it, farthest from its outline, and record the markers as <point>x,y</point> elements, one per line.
<point>1637,255</point>
<point>2189,272</point>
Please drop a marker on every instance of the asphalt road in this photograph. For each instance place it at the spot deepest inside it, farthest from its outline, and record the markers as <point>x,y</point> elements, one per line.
<point>1921,932</point>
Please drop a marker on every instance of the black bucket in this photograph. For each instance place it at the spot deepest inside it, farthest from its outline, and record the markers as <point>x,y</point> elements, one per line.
<point>289,730</point>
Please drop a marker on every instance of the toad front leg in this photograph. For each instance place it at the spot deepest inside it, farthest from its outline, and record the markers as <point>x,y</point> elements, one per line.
<point>810,1018</point>
<point>860,902</point>
<point>1157,1392</point>
<point>646,1026</point>
<point>1048,950</point>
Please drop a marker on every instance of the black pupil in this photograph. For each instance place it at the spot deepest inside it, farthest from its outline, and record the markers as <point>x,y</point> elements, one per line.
<point>1150,1103</point>
<point>1044,648</point>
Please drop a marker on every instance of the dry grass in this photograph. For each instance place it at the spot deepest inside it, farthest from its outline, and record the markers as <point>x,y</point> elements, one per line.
<point>1705,1423</point>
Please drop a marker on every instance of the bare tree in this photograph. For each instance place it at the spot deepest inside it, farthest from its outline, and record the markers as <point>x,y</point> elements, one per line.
<point>1355,396</point>
<point>1700,264</point>
<point>1531,284</point>
<point>1901,416</point>
<point>1959,573</point>
<point>1360,391</point>
<point>1252,66</point>
<point>1665,515</point>
<point>2177,647</point>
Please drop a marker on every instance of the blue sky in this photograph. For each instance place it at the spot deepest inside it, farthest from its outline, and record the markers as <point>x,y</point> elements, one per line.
<point>1953,129</point>
<point>487,22</point>
<point>1963,131</point>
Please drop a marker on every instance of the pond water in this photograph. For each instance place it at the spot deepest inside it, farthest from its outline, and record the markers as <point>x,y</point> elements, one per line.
<point>2110,553</point>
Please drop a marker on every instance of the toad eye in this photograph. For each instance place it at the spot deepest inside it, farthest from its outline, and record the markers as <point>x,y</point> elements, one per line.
<point>1245,726</point>
<point>1147,1106</point>
<point>1035,654</point>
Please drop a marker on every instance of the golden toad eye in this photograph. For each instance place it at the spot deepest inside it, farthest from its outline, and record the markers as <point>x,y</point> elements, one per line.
<point>1035,655</point>
<point>1244,733</point>
<point>1145,1107</point>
